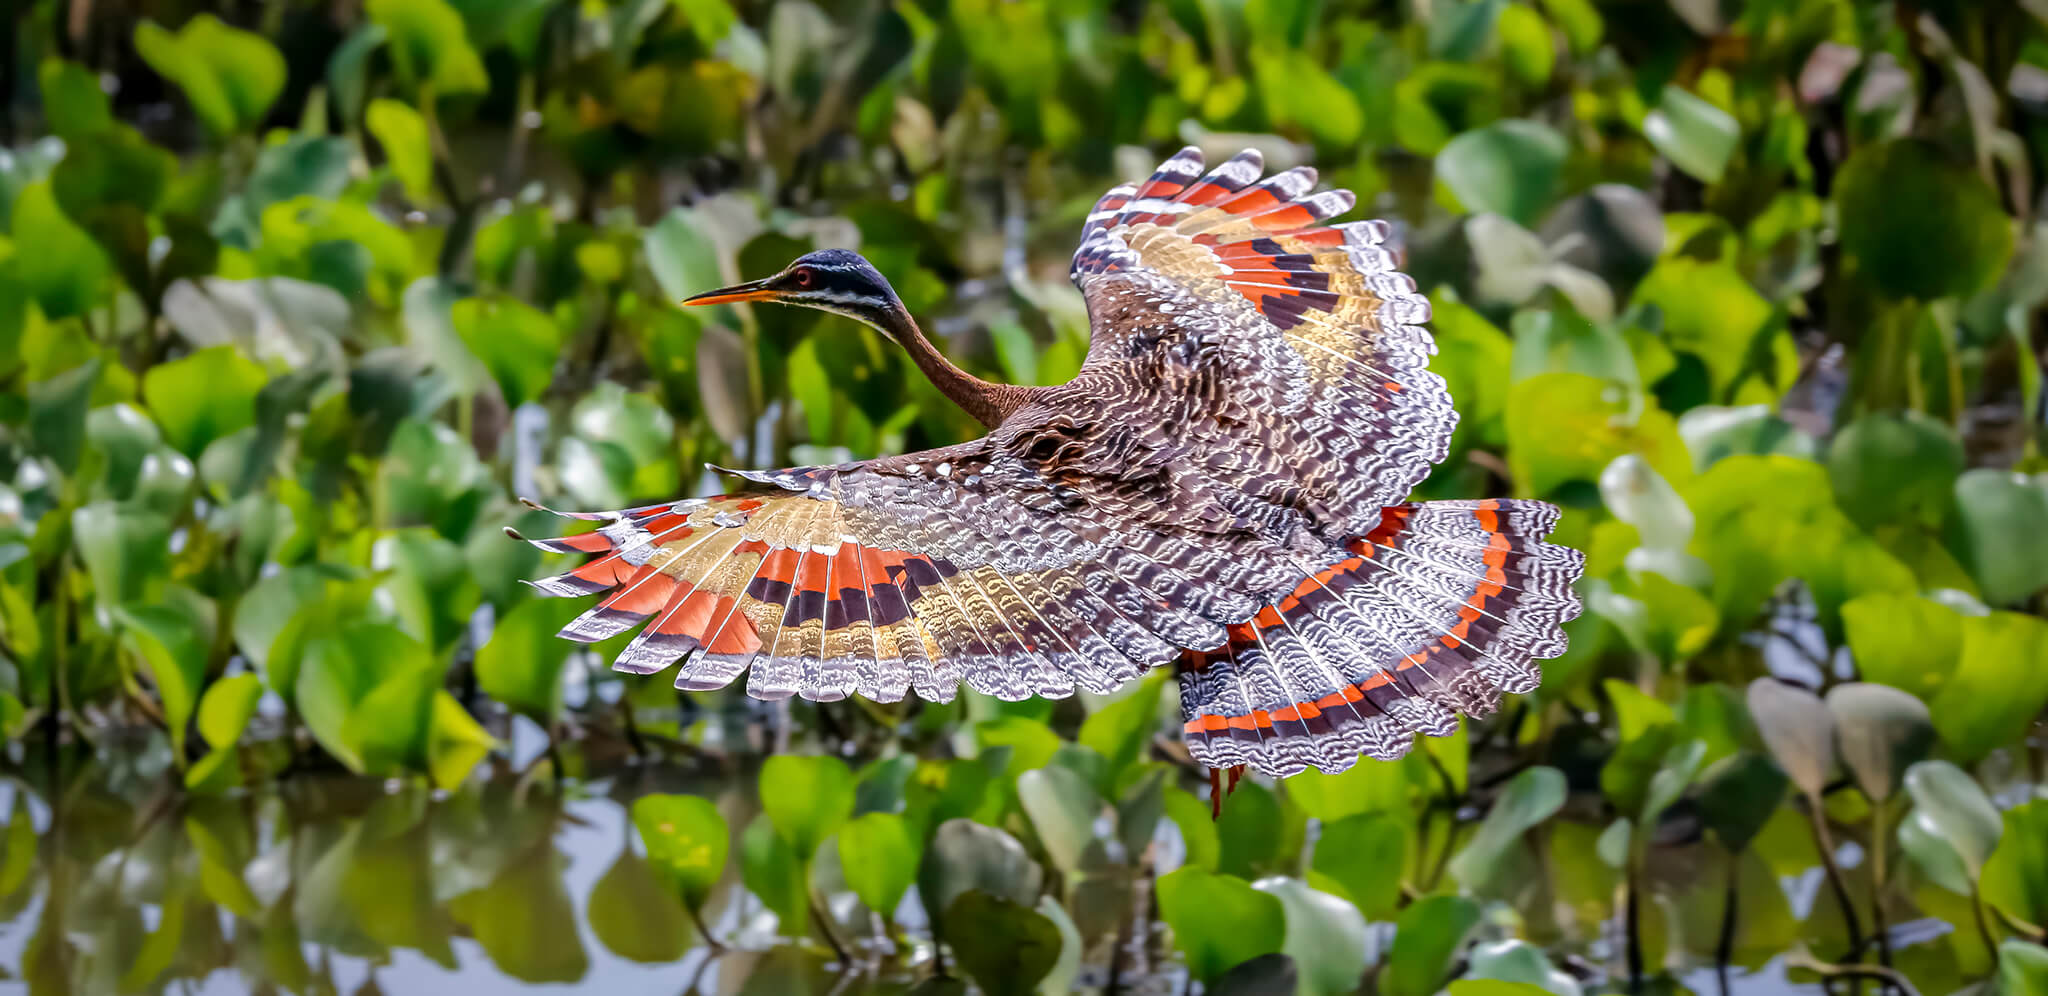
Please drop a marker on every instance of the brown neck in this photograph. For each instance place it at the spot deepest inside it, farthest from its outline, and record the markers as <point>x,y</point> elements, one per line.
<point>990,403</point>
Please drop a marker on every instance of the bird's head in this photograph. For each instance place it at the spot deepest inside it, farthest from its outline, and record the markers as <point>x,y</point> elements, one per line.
<point>835,280</point>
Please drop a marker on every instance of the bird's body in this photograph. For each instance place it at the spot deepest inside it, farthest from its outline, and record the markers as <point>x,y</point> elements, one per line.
<point>1223,487</point>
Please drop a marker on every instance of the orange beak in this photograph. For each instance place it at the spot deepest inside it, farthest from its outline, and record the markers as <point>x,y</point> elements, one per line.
<point>752,290</point>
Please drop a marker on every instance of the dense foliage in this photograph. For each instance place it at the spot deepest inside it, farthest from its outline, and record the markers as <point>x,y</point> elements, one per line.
<point>295,298</point>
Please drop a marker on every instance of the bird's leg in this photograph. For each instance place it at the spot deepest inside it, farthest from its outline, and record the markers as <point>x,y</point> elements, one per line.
<point>1236,773</point>
<point>1215,793</point>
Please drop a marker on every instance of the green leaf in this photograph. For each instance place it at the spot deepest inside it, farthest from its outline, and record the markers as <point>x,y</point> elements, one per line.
<point>522,663</point>
<point>1365,854</point>
<point>515,342</point>
<point>338,681</point>
<point>1565,427</point>
<point>225,709</point>
<point>230,76</point>
<point>1949,803</point>
<point>807,798</point>
<point>775,874</point>
<point>456,744</point>
<point>1364,788</point>
<point>169,642</point>
<point>878,855</point>
<point>2022,969</point>
<point>2000,532</point>
<point>430,47</point>
<point>202,397</point>
<point>1525,44</point>
<point>73,103</point>
<point>1219,921</point>
<point>1197,829</point>
<point>1004,946</point>
<point>1999,687</point>
<point>967,855</point>
<point>402,133</point>
<point>1062,806</point>
<point>1511,168</point>
<point>124,550</point>
<point>1905,641</point>
<point>1740,796</point>
<point>1427,938</point>
<point>1710,311</point>
<point>58,426</point>
<point>1891,468</point>
<point>2015,876</point>
<point>1121,730</point>
<point>634,917</point>
<point>1882,731</point>
<point>1326,936</point>
<point>1919,224</point>
<point>1695,135</point>
<point>66,273</point>
<point>1799,730</point>
<point>686,839</point>
<point>1530,798</point>
<point>1513,968</point>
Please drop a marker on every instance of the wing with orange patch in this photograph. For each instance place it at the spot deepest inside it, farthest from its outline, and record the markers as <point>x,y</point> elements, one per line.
<point>1437,611</point>
<point>1306,326</point>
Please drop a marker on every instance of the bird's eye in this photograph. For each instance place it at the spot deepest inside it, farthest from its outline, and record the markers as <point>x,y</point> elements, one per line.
<point>803,276</point>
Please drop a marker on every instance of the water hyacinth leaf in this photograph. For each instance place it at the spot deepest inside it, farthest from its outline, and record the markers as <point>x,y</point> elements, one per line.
<point>1641,497</point>
<point>686,841</point>
<point>1530,798</point>
<point>1948,802</point>
<point>1121,729</point>
<point>230,76</point>
<point>1510,168</point>
<point>1062,807</point>
<point>1427,938</point>
<point>774,872</point>
<point>522,663</point>
<point>1710,311</point>
<point>1889,468</point>
<point>1219,921</point>
<point>2015,876</point>
<point>1004,946</point>
<point>1564,427</point>
<point>1326,936</point>
<point>1197,830</point>
<point>1365,788</point>
<point>1496,987</point>
<point>1060,980</point>
<point>808,798</point>
<point>2022,969</point>
<point>58,425</point>
<point>1796,726</point>
<point>1881,731</point>
<point>72,98</point>
<point>170,644</point>
<point>340,673</point>
<point>1253,830</point>
<point>457,743</point>
<point>125,551</point>
<point>1998,688</point>
<point>1934,855</point>
<point>515,342</point>
<point>225,709</point>
<point>878,855</point>
<point>1712,432</point>
<point>1681,763</point>
<point>66,273</point>
<point>200,398</point>
<point>1904,641</point>
<point>1365,854</point>
<point>1267,975</point>
<point>1739,795</point>
<point>967,855</point>
<point>2000,532</point>
<point>1919,223</point>
<point>634,917</point>
<point>1695,135</point>
<point>429,46</point>
<point>1517,963</point>
<point>402,133</point>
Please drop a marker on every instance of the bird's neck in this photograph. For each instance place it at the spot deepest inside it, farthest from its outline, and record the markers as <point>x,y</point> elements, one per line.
<point>990,403</point>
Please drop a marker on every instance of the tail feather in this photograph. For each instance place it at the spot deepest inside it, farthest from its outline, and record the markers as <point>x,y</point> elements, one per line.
<point>1442,608</point>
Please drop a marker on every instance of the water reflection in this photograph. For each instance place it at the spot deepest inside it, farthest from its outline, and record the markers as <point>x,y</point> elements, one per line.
<point>331,884</point>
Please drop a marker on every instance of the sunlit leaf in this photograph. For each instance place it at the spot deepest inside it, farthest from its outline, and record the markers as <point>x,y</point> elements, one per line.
<point>1326,936</point>
<point>1948,802</point>
<point>1365,854</point>
<point>1695,135</point>
<point>230,76</point>
<point>966,855</point>
<point>1427,939</point>
<point>1881,731</point>
<point>686,840</point>
<point>522,663</point>
<point>1218,920</point>
<point>878,855</point>
<point>2015,877</point>
<point>1510,168</point>
<point>807,798</point>
<point>1063,807</point>
<point>204,396</point>
<point>1530,798</point>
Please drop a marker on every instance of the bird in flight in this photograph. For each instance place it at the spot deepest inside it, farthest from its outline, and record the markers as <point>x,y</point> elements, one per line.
<point>1221,488</point>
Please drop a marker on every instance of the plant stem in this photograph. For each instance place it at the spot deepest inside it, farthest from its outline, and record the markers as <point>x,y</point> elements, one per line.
<point>1878,875</point>
<point>1724,951</point>
<point>825,928</point>
<point>1633,922</point>
<point>1825,842</point>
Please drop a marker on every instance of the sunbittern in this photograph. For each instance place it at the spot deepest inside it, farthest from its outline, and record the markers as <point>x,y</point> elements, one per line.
<point>1223,487</point>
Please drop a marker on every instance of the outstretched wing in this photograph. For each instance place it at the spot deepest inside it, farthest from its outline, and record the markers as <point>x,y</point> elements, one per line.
<point>911,572</point>
<point>1320,336</point>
